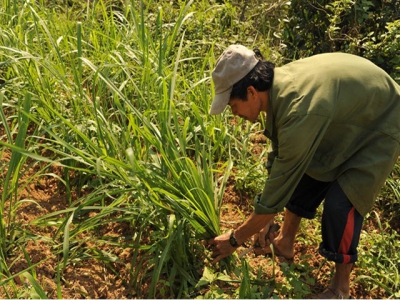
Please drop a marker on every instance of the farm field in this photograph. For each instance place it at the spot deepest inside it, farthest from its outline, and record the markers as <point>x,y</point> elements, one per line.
<point>113,174</point>
<point>98,276</point>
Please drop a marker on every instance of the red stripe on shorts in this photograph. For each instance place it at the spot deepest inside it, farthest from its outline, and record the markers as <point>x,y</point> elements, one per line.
<point>347,237</point>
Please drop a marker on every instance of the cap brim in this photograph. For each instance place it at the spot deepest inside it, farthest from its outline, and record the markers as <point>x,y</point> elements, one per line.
<point>220,102</point>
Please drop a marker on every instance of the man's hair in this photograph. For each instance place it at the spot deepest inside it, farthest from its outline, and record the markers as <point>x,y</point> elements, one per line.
<point>260,77</point>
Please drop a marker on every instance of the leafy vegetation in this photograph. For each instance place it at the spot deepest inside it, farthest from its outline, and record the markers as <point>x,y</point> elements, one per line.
<point>110,100</point>
<point>366,28</point>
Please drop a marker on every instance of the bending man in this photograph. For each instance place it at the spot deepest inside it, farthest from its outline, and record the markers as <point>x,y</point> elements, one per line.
<point>334,126</point>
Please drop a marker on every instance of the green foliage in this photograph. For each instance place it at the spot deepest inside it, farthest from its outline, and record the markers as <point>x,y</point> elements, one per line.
<point>297,280</point>
<point>385,51</point>
<point>380,259</point>
<point>392,188</point>
<point>209,278</point>
<point>366,28</point>
<point>250,172</point>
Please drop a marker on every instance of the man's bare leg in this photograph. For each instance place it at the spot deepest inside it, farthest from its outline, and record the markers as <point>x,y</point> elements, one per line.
<point>340,285</point>
<point>284,241</point>
<point>341,280</point>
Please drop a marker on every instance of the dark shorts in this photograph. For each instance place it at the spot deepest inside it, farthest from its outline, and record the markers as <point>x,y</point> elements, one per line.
<point>341,222</point>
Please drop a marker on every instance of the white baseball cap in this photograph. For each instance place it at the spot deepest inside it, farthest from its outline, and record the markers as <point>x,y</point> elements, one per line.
<point>234,64</point>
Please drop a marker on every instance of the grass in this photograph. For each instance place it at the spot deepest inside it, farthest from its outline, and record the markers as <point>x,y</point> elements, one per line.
<point>111,100</point>
<point>141,156</point>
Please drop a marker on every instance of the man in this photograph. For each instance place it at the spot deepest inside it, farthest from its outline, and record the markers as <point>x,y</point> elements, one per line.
<point>334,125</point>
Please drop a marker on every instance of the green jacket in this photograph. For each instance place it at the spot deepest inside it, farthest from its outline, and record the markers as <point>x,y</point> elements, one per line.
<point>333,116</point>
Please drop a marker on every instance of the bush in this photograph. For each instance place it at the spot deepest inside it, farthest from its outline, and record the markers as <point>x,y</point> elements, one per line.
<point>365,28</point>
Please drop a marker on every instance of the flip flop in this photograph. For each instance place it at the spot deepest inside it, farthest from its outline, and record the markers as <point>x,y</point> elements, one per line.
<point>329,293</point>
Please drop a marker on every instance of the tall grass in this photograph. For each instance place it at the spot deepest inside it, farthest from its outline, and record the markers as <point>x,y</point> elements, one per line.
<point>103,103</point>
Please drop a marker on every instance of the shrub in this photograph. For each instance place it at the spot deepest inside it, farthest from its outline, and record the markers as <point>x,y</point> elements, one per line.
<point>366,28</point>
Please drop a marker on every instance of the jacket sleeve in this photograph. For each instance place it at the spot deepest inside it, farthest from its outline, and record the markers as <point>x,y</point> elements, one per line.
<point>298,138</point>
<point>271,154</point>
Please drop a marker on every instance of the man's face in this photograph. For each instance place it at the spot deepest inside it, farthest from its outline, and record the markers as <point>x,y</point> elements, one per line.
<point>249,109</point>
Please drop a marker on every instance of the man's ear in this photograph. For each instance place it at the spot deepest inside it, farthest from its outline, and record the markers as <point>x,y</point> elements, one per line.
<point>251,92</point>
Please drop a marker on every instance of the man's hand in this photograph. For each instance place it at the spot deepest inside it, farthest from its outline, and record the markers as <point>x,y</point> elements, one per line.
<point>221,247</point>
<point>265,237</point>
<point>262,237</point>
